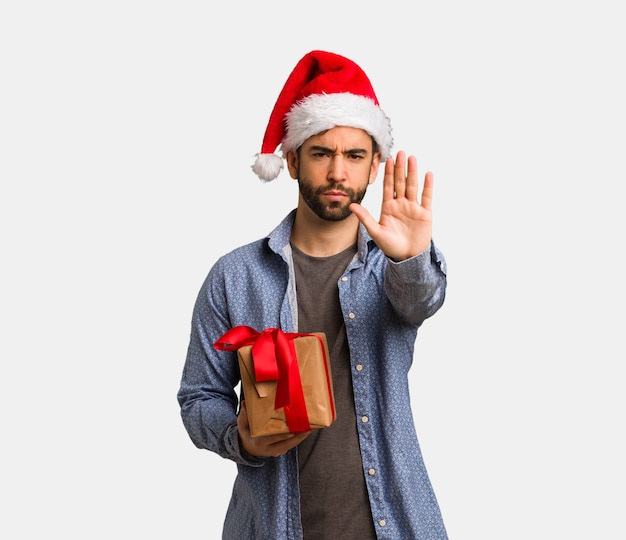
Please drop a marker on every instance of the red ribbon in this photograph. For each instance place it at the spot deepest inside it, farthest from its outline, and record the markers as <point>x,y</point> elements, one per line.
<point>274,359</point>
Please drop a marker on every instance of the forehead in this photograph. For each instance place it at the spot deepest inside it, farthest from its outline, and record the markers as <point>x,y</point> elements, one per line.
<point>341,137</point>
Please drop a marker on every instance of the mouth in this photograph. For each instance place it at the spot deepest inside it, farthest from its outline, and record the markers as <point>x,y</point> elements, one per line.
<point>335,195</point>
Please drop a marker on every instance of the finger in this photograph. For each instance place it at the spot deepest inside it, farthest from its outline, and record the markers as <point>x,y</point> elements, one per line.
<point>243,429</point>
<point>284,446</point>
<point>399,175</point>
<point>242,419</point>
<point>278,438</point>
<point>388,183</point>
<point>243,411</point>
<point>427,192</point>
<point>411,179</point>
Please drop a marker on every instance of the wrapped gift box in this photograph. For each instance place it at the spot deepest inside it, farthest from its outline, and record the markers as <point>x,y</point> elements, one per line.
<point>286,379</point>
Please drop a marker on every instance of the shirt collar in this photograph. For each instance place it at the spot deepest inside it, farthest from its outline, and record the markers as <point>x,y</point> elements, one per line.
<point>279,238</point>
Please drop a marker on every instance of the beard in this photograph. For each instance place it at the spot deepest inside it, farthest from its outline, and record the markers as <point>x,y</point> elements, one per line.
<point>335,210</point>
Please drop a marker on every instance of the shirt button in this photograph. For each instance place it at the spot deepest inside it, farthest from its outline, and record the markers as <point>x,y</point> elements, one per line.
<point>359,367</point>
<point>351,315</point>
<point>364,419</point>
<point>371,472</point>
<point>344,278</point>
<point>382,523</point>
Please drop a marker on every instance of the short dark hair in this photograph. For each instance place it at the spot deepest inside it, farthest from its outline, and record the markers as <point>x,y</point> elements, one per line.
<point>375,145</point>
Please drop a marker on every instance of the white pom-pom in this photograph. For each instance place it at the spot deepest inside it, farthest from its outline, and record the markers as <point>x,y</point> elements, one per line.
<point>267,166</point>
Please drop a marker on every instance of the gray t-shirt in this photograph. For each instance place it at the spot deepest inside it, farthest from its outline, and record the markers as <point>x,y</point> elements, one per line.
<point>333,494</point>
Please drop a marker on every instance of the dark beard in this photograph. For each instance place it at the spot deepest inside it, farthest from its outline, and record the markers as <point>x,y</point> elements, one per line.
<point>335,211</point>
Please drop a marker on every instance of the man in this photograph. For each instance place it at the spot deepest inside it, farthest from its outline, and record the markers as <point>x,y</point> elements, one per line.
<point>328,267</point>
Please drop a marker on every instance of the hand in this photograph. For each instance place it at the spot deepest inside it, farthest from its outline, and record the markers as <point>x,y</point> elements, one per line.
<point>405,226</point>
<point>266,445</point>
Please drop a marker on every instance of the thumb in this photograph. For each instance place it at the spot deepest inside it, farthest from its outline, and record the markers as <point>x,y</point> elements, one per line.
<point>242,417</point>
<point>363,216</point>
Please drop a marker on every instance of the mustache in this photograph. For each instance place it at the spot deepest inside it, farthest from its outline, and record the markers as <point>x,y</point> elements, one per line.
<point>335,187</point>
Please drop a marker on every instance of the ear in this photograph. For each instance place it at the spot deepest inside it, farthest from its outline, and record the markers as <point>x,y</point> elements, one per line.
<point>374,168</point>
<point>292,164</point>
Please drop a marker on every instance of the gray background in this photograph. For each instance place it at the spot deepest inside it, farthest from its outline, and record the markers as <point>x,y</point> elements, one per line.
<point>127,131</point>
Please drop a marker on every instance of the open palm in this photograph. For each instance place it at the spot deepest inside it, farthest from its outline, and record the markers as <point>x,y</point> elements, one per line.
<point>405,225</point>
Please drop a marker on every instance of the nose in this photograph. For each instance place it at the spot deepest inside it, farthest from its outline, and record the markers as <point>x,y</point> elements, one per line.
<point>337,168</point>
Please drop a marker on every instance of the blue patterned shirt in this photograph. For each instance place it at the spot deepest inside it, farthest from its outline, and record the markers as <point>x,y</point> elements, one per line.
<point>383,304</point>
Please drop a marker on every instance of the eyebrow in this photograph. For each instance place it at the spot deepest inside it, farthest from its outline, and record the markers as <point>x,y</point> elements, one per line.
<point>325,149</point>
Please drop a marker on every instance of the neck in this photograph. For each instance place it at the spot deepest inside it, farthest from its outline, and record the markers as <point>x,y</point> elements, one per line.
<point>320,238</point>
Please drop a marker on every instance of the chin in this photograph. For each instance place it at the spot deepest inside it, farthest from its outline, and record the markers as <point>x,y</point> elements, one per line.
<point>335,215</point>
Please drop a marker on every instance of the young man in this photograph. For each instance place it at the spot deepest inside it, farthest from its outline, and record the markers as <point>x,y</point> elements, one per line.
<point>328,267</point>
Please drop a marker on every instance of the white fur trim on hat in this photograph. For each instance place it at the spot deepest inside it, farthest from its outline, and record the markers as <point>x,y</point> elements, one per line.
<point>320,112</point>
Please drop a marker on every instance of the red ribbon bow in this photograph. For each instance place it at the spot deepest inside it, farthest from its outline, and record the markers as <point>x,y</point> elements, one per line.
<point>274,359</point>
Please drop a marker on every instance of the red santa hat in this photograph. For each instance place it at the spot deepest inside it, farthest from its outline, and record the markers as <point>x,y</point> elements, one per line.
<point>324,90</point>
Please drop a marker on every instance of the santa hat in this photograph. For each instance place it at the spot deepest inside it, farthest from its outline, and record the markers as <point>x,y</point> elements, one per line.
<point>324,90</point>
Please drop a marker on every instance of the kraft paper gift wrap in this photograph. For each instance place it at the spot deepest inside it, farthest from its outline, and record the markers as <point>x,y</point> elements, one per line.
<point>286,379</point>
